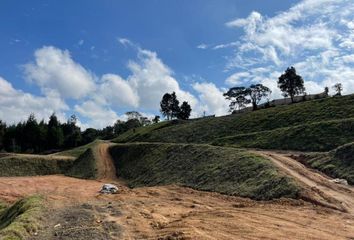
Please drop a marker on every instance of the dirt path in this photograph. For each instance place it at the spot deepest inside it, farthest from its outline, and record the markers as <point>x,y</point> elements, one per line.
<point>106,168</point>
<point>169,212</point>
<point>318,185</point>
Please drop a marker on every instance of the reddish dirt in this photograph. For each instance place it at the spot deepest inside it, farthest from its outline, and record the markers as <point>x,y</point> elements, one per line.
<point>172,212</point>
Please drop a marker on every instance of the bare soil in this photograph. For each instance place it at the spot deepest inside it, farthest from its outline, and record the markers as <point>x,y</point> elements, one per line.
<point>173,212</point>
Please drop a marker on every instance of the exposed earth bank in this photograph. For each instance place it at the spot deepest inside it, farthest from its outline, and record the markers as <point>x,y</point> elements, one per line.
<point>77,211</point>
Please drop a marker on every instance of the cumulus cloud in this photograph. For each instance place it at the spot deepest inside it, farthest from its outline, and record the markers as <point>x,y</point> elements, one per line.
<point>16,105</point>
<point>315,36</point>
<point>55,70</point>
<point>98,116</point>
<point>211,99</point>
<point>118,91</point>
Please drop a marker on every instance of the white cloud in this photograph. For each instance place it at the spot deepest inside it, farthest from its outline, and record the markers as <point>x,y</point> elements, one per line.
<point>16,105</point>
<point>315,36</point>
<point>211,99</point>
<point>98,116</point>
<point>117,91</point>
<point>55,70</point>
<point>202,46</point>
<point>151,78</point>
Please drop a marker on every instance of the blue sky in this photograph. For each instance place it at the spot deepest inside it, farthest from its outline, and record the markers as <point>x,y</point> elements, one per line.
<point>99,59</point>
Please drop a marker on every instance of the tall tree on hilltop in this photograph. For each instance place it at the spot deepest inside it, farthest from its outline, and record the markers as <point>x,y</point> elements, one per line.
<point>256,92</point>
<point>241,96</point>
<point>169,105</point>
<point>338,87</point>
<point>291,84</point>
<point>185,111</point>
<point>237,96</point>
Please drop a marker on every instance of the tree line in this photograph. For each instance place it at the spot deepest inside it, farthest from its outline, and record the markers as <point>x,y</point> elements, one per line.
<point>290,83</point>
<point>31,136</point>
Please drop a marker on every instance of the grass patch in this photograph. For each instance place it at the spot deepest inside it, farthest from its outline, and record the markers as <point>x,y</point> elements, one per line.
<point>218,169</point>
<point>208,129</point>
<point>32,165</point>
<point>338,163</point>
<point>76,152</point>
<point>319,136</point>
<point>142,132</point>
<point>20,220</point>
<point>85,166</point>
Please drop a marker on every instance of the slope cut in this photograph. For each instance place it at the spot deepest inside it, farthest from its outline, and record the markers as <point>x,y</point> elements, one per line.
<point>203,167</point>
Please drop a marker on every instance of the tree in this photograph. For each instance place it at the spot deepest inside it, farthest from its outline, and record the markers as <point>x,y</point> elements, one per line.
<point>31,135</point>
<point>169,105</point>
<point>256,92</point>
<point>133,115</point>
<point>326,91</point>
<point>185,111</point>
<point>156,119</point>
<point>2,134</point>
<point>241,96</point>
<point>237,96</point>
<point>72,133</point>
<point>55,136</point>
<point>338,87</point>
<point>291,84</point>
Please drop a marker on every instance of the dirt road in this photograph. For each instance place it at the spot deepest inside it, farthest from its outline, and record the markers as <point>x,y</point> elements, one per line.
<point>317,185</point>
<point>106,168</point>
<point>170,212</point>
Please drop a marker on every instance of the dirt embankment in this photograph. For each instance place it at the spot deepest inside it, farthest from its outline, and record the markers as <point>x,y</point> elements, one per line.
<point>318,187</point>
<point>170,212</point>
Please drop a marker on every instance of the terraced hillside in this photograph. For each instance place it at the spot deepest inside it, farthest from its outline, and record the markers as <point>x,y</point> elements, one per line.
<point>217,169</point>
<point>317,125</point>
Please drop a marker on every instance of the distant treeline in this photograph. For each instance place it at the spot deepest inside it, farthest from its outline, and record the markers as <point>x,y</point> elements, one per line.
<point>31,136</point>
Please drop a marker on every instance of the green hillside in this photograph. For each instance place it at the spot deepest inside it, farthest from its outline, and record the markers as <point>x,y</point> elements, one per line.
<point>318,136</point>
<point>338,163</point>
<point>204,167</point>
<point>32,165</point>
<point>277,120</point>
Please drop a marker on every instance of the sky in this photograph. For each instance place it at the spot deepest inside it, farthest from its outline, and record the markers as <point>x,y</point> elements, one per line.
<point>99,59</point>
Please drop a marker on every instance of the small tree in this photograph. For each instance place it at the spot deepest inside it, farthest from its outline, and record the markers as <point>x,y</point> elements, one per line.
<point>156,119</point>
<point>291,84</point>
<point>338,88</point>
<point>256,92</point>
<point>326,91</point>
<point>185,111</point>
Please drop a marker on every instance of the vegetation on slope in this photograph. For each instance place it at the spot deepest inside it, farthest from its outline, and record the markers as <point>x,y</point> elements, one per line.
<point>31,165</point>
<point>76,152</point>
<point>208,129</point>
<point>85,166</point>
<point>20,220</point>
<point>224,170</point>
<point>319,136</point>
<point>338,163</point>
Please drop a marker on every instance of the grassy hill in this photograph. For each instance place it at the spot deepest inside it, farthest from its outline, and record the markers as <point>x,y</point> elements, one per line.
<point>85,165</point>
<point>284,123</point>
<point>31,165</point>
<point>204,167</point>
<point>338,163</point>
